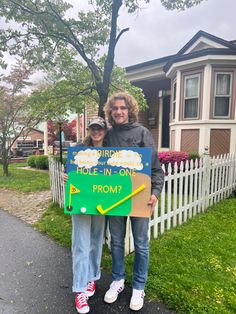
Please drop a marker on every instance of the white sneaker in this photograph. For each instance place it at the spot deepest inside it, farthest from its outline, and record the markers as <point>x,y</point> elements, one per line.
<point>116,287</point>
<point>137,300</point>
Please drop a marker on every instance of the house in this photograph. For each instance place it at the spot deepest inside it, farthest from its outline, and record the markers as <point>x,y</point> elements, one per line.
<point>29,143</point>
<point>191,96</point>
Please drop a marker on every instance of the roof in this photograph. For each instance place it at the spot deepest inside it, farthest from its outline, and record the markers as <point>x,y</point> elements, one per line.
<point>149,63</point>
<point>226,43</point>
<point>200,53</point>
<point>215,46</point>
<point>37,130</point>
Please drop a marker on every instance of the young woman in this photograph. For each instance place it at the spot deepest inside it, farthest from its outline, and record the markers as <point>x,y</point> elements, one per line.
<point>87,236</point>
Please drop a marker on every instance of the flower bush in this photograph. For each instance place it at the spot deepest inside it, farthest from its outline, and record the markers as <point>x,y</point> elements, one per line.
<point>172,157</point>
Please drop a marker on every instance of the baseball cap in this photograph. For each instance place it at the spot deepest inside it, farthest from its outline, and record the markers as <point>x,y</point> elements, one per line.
<point>98,121</point>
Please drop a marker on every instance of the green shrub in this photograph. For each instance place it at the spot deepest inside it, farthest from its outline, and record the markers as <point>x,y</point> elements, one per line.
<point>194,155</point>
<point>41,162</point>
<point>31,161</point>
<point>57,158</point>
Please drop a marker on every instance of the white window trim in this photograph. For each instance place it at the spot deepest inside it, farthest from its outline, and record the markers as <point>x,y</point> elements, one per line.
<point>230,95</point>
<point>37,142</point>
<point>184,98</point>
<point>174,100</point>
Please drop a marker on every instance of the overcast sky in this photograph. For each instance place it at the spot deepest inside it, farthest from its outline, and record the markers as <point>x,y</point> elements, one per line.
<point>156,32</point>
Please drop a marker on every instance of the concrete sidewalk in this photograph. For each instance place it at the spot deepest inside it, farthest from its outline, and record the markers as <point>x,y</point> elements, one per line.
<point>35,276</point>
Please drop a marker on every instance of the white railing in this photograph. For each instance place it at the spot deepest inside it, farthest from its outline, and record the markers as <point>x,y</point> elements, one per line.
<point>56,170</point>
<point>188,190</point>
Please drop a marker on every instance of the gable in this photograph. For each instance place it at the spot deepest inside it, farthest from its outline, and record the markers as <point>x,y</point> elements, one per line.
<point>202,41</point>
<point>202,44</point>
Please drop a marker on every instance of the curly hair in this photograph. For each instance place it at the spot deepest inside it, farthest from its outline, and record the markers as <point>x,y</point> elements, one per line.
<point>130,102</point>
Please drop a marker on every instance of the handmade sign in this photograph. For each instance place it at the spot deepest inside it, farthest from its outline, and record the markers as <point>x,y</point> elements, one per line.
<point>108,181</point>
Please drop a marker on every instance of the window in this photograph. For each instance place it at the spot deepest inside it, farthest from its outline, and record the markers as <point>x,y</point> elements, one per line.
<point>38,144</point>
<point>191,96</point>
<point>25,145</point>
<point>174,101</point>
<point>222,96</point>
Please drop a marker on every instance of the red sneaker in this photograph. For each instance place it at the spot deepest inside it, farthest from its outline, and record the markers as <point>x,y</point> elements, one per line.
<point>81,303</point>
<point>91,288</point>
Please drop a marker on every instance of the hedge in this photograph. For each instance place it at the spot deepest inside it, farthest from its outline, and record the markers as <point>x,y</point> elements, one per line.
<point>31,161</point>
<point>41,161</point>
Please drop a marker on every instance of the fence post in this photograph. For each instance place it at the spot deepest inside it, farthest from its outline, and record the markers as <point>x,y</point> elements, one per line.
<point>206,179</point>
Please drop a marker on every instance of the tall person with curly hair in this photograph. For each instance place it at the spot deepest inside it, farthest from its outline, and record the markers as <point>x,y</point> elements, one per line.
<point>121,112</point>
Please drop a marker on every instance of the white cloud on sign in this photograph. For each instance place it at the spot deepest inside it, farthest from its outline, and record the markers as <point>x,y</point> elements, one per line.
<point>87,158</point>
<point>126,159</point>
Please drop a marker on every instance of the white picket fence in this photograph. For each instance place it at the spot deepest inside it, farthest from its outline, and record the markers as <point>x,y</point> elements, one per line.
<point>56,171</point>
<point>186,192</point>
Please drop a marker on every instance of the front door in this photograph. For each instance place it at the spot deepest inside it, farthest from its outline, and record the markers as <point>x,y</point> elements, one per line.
<point>165,141</point>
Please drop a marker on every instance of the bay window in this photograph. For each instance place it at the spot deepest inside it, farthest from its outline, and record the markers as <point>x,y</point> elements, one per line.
<point>222,94</point>
<point>191,96</point>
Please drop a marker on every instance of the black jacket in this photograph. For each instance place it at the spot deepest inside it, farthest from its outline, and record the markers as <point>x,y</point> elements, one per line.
<point>136,135</point>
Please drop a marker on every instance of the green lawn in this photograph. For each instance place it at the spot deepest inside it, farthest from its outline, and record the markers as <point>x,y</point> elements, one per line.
<point>56,224</point>
<point>192,267</point>
<point>24,180</point>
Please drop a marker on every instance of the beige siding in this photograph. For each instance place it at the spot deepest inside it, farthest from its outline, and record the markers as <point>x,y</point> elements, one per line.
<point>172,140</point>
<point>190,140</point>
<point>219,141</point>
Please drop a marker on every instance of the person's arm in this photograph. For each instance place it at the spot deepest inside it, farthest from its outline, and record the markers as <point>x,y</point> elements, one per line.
<point>157,174</point>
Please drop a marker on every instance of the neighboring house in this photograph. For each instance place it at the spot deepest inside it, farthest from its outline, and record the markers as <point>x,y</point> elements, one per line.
<point>191,96</point>
<point>30,143</point>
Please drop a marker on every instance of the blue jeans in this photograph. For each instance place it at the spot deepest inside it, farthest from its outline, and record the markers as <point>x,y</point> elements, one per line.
<point>140,227</point>
<point>87,242</point>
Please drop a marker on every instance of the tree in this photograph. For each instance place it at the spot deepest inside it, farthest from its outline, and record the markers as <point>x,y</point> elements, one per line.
<point>179,4</point>
<point>76,90</point>
<point>46,32</point>
<point>69,129</point>
<point>16,116</point>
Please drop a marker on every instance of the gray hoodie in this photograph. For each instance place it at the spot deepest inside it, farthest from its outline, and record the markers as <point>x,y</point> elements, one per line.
<point>136,135</point>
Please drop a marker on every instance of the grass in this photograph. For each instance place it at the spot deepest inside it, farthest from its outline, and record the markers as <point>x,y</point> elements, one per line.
<point>192,267</point>
<point>24,180</point>
<point>56,224</point>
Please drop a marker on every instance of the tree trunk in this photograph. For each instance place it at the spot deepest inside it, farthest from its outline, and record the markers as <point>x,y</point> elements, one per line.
<point>5,162</point>
<point>5,169</point>
<point>109,62</point>
<point>102,100</point>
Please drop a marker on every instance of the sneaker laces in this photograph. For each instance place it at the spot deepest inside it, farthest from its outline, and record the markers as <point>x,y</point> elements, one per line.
<point>116,286</point>
<point>137,294</point>
<point>81,299</point>
<point>91,286</point>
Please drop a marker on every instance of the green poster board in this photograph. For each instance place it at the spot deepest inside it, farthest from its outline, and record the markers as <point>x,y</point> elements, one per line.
<point>108,181</point>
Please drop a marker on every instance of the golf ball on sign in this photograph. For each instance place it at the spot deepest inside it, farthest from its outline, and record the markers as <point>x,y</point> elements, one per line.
<point>83,209</point>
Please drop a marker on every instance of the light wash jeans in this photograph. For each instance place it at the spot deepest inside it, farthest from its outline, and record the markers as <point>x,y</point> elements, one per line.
<point>140,227</point>
<point>87,242</point>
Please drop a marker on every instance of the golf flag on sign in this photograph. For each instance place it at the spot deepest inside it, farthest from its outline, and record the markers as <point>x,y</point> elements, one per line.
<point>73,189</point>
